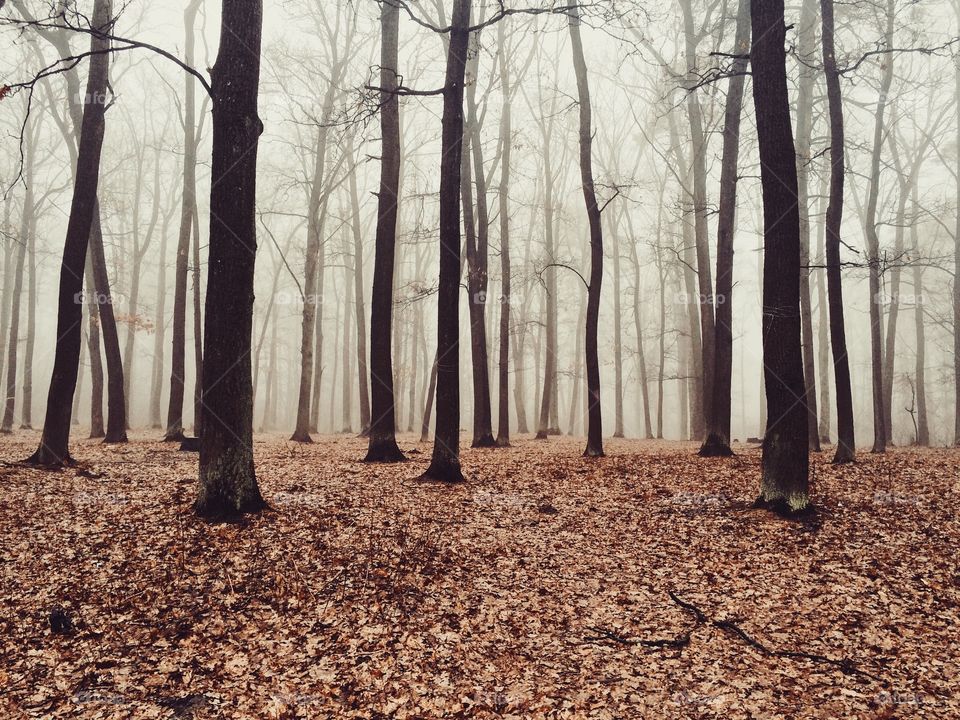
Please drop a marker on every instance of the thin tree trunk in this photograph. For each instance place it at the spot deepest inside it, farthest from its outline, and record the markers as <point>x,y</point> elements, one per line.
<point>846,448</point>
<point>174,432</point>
<point>805,51</point>
<point>359,305</point>
<point>873,245</point>
<point>503,196</point>
<point>594,420</point>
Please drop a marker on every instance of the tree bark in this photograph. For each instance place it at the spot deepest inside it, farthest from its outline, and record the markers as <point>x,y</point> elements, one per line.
<point>785,462</point>
<point>359,305</point>
<point>382,446</point>
<point>717,442</point>
<point>228,483</point>
<point>503,196</point>
<point>54,443</point>
<point>846,448</point>
<point>594,420</point>
<point>445,462</point>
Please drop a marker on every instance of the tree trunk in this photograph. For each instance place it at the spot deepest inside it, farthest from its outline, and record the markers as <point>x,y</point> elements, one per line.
<point>638,327</point>
<point>503,196</point>
<point>54,443</point>
<point>594,421</point>
<point>705,300</point>
<point>873,245</point>
<point>717,443</point>
<point>156,385</point>
<point>188,202</point>
<point>445,462</point>
<point>26,420</point>
<point>785,460</point>
<point>228,483</point>
<point>359,305</point>
<point>14,337</point>
<point>382,446</point>
<point>97,429</point>
<point>805,50</point>
<point>846,448</point>
<point>923,426</point>
<point>617,340</point>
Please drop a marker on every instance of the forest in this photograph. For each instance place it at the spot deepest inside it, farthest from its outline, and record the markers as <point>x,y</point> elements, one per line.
<point>480,359</point>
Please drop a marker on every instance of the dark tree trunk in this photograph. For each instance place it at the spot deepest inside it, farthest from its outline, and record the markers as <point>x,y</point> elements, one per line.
<point>718,420</point>
<point>188,201</point>
<point>197,328</point>
<point>382,446</point>
<point>594,420</point>
<point>54,443</point>
<point>228,484</point>
<point>846,448</point>
<point>428,405</point>
<point>445,462</point>
<point>785,460</point>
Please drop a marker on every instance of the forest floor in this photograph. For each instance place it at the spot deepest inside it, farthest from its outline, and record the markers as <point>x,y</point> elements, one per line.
<point>640,585</point>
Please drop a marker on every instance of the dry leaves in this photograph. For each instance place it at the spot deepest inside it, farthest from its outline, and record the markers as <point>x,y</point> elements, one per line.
<point>364,594</point>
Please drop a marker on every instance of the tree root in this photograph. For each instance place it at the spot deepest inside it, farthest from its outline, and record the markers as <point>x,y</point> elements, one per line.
<point>844,665</point>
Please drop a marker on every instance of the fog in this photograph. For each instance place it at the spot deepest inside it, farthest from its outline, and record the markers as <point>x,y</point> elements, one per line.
<point>318,86</point>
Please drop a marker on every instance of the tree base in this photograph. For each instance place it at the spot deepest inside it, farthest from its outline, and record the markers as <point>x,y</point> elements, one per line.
<point>541,435</point>
<point>173,435</point>
<point>115,438</point>
<point>100,435</point>
<point>784,508</point>
<point>554,431</point>
<point>444,471</point>
<point>384,450</point>
<point>618,434</point>
<point>503,441</point>
<point>715,446</point>
<point>26,426</point>
<point>844,455</point>
<point>48,460</point>
<point>301,437</point>
<point>484,441</point>
<point>221,509</point>
<point>591,451</point>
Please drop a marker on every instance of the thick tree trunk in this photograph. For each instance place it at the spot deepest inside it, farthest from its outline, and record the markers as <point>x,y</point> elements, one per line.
<point>228,483</point>
<point>594,420</point>
<point>54,443</point>
<point>445,462</point>
<point>382,445</point>
<point>846,448</point>
<point>785,461</point>
<point>717,442</point>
